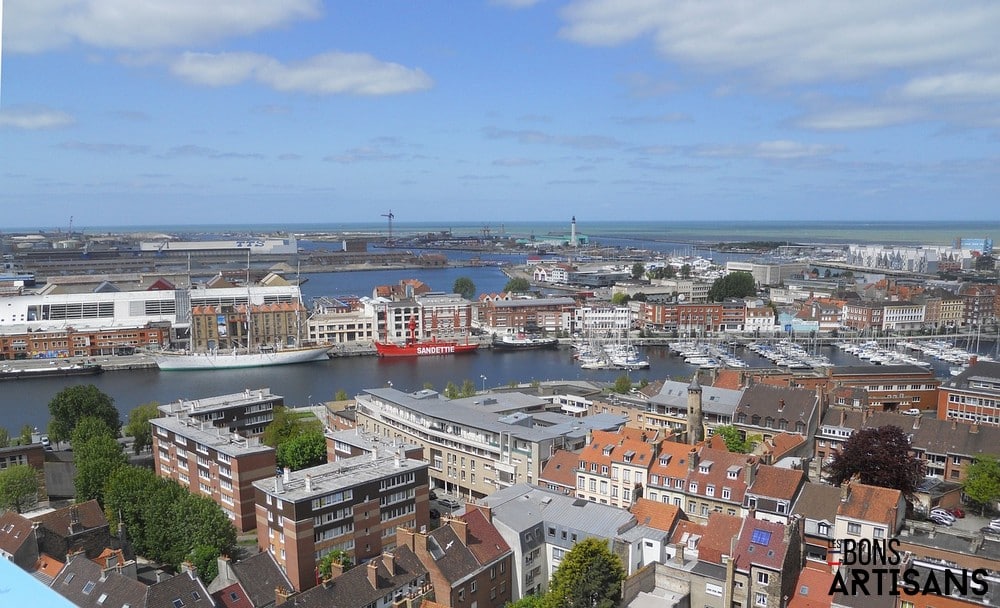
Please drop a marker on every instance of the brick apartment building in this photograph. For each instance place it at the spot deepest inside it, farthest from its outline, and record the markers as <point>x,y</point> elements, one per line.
<point>352,505</point>
<point>212,462</point>
<point>246,413</point>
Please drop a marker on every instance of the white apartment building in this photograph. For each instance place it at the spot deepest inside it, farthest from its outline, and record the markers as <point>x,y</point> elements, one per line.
<point>600,319</point>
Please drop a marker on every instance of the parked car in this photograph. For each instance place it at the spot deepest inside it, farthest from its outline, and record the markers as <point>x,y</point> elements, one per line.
<point>995,530</point>
<point>995,523</point>
<point>940,520</point>
<point>942,513</point>
<point>449,503</point>
<point>433,495</point>
<point>435,514</point>
<point>957,512</point>
<point>46,443</point>
<point>911,412</point>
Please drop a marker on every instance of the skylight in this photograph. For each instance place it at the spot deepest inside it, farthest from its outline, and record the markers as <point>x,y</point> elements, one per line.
<point>89,587</point>
<point>760,537</point>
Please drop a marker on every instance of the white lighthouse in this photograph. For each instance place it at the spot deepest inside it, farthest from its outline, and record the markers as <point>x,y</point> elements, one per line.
<point>572,233</point>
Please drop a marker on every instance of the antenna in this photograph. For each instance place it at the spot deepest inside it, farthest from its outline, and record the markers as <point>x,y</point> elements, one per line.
<point>389,216</point>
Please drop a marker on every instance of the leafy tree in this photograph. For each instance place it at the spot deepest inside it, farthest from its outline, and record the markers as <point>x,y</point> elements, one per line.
<point>468,388</point>
<point>620,299</point>
<point>643,383</point>
<point>464,287</point>
<point>341,395</point>
<point>733,285</point>
<point>640,297</point>
<point>638,269</point>
<point>127,496</point>
<point>528,601</point>
<point>734,443</point>
<point>73,403</point>
<point>982,481</point>
<point>18,487</point>
<point>686,271</point>
<point>590,576</point>
<point>517,285</point>
<point>287,424</point>
<point>25,436</point>
<point>334,557</point>
<point>4,438</point>
<point>623,384</point>
<point>305,450</point>
<point>205,559</point>
<point>429,386</point>
<point>138,425</point>
<point>451,391</point>
<point>880,457</point>
<point>97,455</point>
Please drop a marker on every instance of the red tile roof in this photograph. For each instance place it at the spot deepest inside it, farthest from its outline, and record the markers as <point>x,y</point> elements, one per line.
<point>761,543</point>
<point>560,469</point>
<point>659,515</point>
<point>728,379</point>
<point>484,540</point>
<point>812,590</point>
<point>871,503</point>
<point>775,482</point>
<point>719,533</point>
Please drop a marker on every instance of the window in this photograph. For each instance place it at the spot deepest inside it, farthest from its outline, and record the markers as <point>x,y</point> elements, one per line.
<point>552,531</point>
<point>472,587</point>
<point>763,578</point>
<point>178,603</point>
<point>823,529</point>
<point>760,599</point>
<point>854,529</point>
<point>461,595</point>
<point>493,572</point>
<point>879,533</point>
<point>726,494</point>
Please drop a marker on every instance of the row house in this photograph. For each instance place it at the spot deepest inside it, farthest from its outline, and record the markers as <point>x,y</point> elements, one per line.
<point>245,413</point>
<point>277,324</point>
<point>352,505</point>
<point>869,512</point>
<point>734,314</point>
<point>686,319</point>
<point>430,315</point>
<point>614,467</point>
<point>468,561</point>
<point>895,316</point>
<point>552,273</point>
<point>339,325</point>
<point>518,315</point>
<point>816,507</point>
<point>394,578</point>
<point>209,461</point>
<point>477,445</point>
<point>772,492</point>
<point>981,304</point>
<point>826,315</point>
<point>972,396</point>
<point>72,342</point>
<point>701,480</point>
<point>759,319</point>
<point>764,411</point>
<point>665,410</point>
<point>942,311</point>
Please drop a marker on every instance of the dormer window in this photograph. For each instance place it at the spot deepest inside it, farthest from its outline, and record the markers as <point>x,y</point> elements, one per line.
<point>664,460</point>
<point>733,472</point>
<point>705,467</point>
<point>629,455</point>
<point>607,449</point>
<point>755,420</point>
<point>693,487</point>
<point>583,465</point>
<point>769,422</point>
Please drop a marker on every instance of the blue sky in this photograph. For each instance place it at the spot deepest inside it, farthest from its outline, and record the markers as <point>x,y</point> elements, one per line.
<point>127,112</point>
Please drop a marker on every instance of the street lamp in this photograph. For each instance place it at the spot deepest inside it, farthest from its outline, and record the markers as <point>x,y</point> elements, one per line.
<point>484,381</point>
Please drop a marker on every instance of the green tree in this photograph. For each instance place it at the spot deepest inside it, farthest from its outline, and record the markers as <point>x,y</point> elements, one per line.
<point>301,451</point>
<point>334,557</point>
<point>451,391</point>
<point>127,496</point>
<point>206,562</point>
<point>4,438</point>
<point>97,455</point>
<point>428,386</point>
<point>468,388</point>
<point>528,601</point>
<point>464,287</point>
<point>73,403</point>
<point>25,437</point>
<point>589,576</point>
<point>733,285</point>
<point>638,269</point>
<point>18,487</point>
<point>880,457</point>
<point>138,425</point>
<point>982,481</point>
<point>517,285</point>
<point>620,299</point>
<point>286,424</point>
<point>686,271</point>
<point>341,395</point>
<point>734,443</point>
<point>623,384</point>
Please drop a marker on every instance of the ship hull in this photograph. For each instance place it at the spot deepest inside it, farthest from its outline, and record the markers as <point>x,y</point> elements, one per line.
<point>195,361</point>
<point>77,370</point>
<point>512,344</point>
<point>423,349</point>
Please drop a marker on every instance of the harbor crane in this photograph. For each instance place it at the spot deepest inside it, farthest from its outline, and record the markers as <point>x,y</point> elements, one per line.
<point>389,216</point>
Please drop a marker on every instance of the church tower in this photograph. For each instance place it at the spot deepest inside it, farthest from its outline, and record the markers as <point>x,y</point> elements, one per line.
<point>695,423</point>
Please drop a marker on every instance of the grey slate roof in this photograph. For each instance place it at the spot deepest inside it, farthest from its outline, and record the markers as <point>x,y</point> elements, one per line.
<point>453,558</point>
<point>185,588</point>
<point>717,401</point>
<point>817,501</point>
<point>522,506</point>
<point>940,436</point>
<point>352,589</point>
<point>80,582</point>
<point>764,400</point>
<point>260,575</point>
<point>988,371</point>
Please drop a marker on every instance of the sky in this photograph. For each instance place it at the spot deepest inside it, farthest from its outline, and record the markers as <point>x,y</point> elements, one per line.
<point>153,112</point>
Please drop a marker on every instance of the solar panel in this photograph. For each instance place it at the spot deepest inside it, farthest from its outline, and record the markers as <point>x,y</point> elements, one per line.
<point>760,537</point>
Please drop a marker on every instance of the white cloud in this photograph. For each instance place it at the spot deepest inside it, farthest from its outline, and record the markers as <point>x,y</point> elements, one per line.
<point>39,25</point>
<point>328,73</point>
<point>777,150</point>
<point>34,118</point>
<point>515,162</point>
<point>969,86</point>
<point>795,40</point>
<point>515,3</point>
<point>868,117</point>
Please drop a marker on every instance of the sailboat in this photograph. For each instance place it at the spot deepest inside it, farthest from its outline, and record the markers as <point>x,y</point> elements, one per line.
<point>238,357</point>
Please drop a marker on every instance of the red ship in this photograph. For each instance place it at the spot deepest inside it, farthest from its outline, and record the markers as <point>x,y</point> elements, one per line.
<point>413,348</point>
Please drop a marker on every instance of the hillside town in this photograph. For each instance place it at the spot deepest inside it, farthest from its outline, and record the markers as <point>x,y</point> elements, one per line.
<point>712,490</point>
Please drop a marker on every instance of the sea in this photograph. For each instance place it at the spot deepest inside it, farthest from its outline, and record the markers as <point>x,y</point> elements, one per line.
<point>25,401</point>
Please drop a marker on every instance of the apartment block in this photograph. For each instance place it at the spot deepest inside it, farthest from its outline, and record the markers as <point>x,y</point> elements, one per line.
<point>352,505</point>
<point>550,314</point>
<point>972,396</point>
<point>477,445</point>
<point>614,467</point>
<point>212,462</point>
<point>433,314</point>
<point>246,413</point>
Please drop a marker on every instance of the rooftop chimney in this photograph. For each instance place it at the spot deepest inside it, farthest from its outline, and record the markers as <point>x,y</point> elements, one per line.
<point>974,428</point>
<point>916,421</point>
<point>225,568</point>
<point>373,573</point>
<point>461,528</point>
<point>309,483</point>
<point>279,487</point>
<point>74,520</point>
<point>781,404</point>
<point>389,559</point>
<point>281,595</point>
<point>749,472</point>
<point>286,474</point>
<point>692,459</point>
<point>679,554</point>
